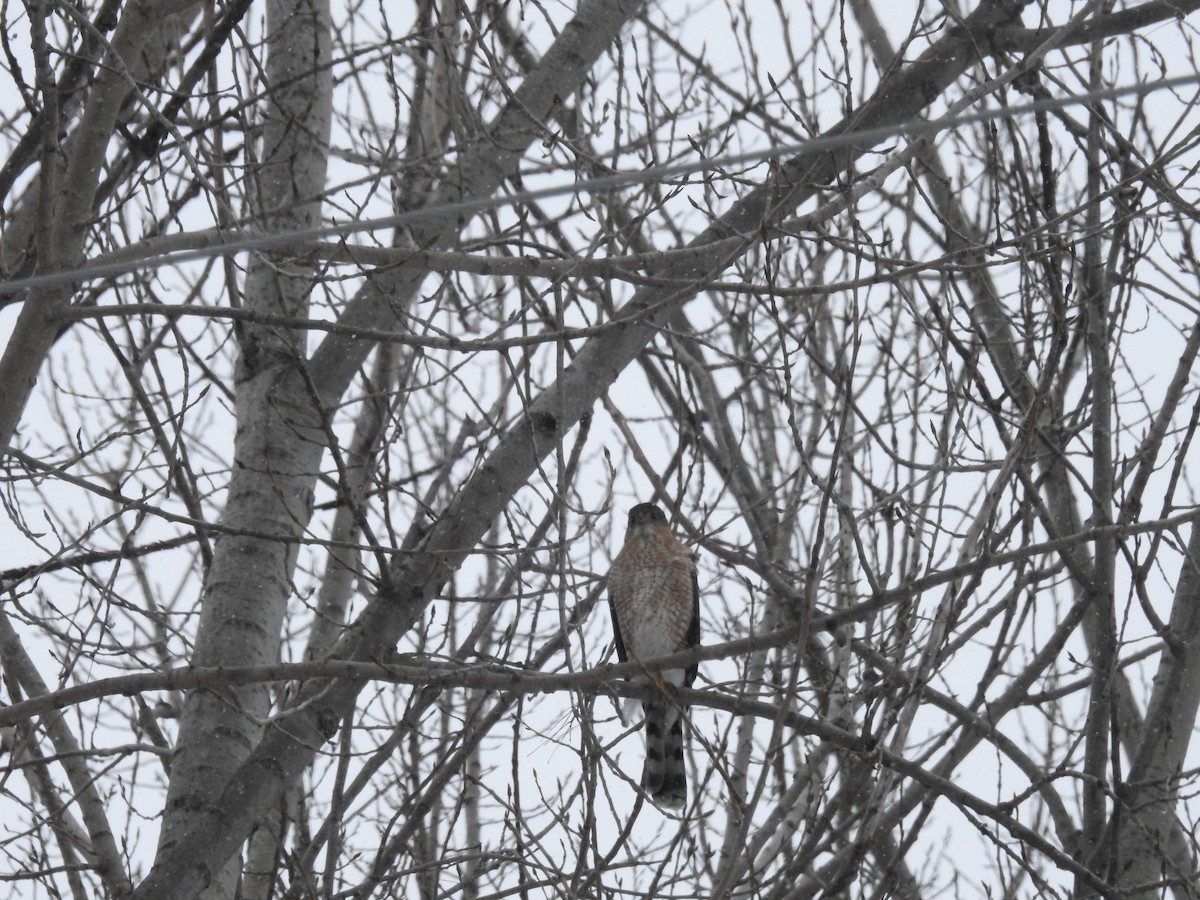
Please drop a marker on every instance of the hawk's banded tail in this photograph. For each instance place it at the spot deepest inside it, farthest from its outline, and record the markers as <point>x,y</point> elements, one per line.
<point>664,777</point>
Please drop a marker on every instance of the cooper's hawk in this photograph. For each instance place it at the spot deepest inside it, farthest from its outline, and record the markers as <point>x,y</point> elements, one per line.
<point>655,603</point>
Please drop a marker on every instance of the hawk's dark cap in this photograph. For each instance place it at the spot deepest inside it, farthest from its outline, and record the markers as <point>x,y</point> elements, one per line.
<point>645,513</point>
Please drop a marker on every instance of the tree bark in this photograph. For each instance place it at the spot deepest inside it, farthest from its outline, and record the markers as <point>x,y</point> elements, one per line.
<point>279,439</point>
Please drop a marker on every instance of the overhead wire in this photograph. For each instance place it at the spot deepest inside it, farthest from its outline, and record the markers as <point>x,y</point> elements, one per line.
<point>920,128</point>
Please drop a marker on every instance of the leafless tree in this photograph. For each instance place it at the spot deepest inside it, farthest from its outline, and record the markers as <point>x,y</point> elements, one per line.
<point>341,339</point>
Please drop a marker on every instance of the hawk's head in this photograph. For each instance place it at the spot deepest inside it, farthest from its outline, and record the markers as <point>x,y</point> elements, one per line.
<point>646,514</point>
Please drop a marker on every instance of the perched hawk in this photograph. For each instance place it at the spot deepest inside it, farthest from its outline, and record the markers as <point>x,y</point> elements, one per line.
<point>655,603</point>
